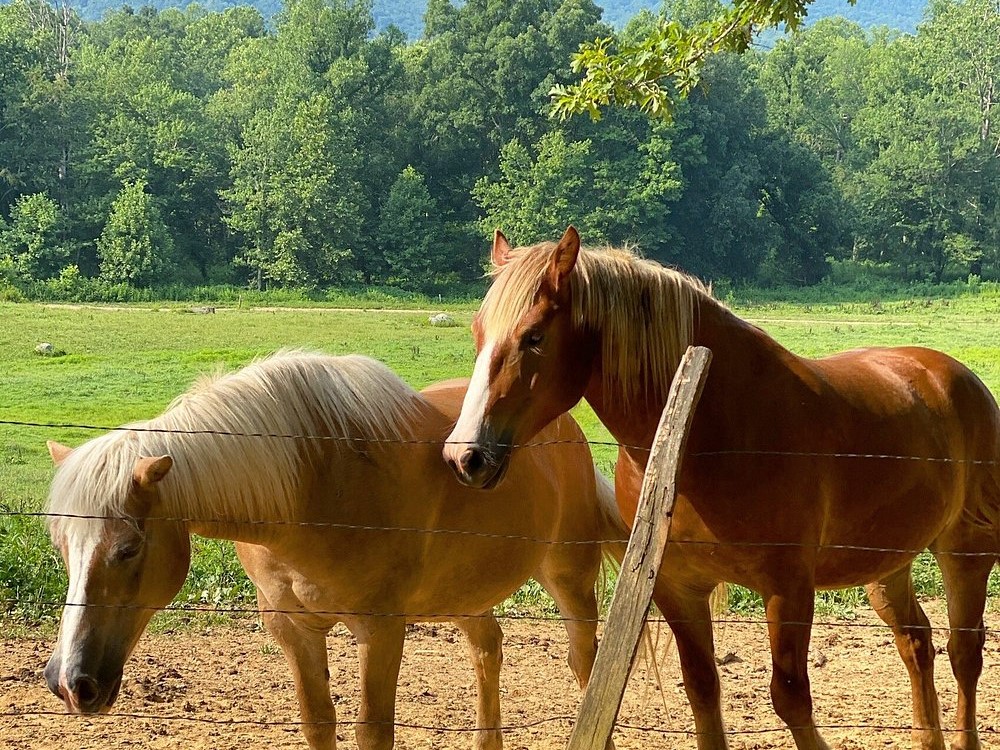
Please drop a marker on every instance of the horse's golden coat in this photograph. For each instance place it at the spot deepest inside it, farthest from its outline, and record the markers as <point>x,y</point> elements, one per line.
<point>348,516</point>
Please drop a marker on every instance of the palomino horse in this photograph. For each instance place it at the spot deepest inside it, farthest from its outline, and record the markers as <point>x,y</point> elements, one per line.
<point>330,527</point>
<point>766,498</point>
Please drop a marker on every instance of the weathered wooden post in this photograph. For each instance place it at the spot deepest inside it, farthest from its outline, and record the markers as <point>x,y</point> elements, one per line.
<point>602,701</point>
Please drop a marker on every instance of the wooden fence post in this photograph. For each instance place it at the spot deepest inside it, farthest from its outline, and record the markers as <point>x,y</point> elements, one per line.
<point>602,701</point>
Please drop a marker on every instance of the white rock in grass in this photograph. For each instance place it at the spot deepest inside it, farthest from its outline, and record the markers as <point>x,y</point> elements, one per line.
<point>45,349</point>
<point>442,320</point>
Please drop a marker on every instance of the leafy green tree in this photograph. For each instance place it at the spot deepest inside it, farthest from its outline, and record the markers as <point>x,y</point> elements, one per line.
<point>410,235</point>
<point>927,193</point>
<point>135,247</point>
<point>31,243</point>
<point>718,227</point>
<point>295,197</point>
<point>810,221</point>
<point>667,63</point>
<point>814,84</point>
<point>148,126</point>
<point>480,78</point>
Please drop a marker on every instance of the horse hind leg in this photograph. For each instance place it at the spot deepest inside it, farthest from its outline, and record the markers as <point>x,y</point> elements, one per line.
<point>966,576</point>
<point>893,599</point>
<point>485,641</point>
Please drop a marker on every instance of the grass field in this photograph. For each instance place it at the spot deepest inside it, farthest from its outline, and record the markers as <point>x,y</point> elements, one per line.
<point>126,364</point>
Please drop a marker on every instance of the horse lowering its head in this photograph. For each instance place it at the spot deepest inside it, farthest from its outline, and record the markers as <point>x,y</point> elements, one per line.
<point>121,567</point>
<point>119,503</point>
<point>323,470</point>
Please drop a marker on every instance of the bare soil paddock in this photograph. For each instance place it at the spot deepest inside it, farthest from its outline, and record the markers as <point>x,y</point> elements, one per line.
<point>230,676</point>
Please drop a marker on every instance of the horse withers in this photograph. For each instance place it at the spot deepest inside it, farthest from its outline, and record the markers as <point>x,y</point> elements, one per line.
<point>798,473</point>
<point>326,472</point>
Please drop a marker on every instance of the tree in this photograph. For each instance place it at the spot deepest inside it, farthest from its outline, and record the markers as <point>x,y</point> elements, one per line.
<point>31,243</point>
<point>135,247</point>
<point>927,192</point>
<point>665,65</point>
<point>410,235</point>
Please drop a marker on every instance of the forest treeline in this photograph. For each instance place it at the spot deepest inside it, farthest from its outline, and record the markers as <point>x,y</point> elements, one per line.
<point>192,147</point>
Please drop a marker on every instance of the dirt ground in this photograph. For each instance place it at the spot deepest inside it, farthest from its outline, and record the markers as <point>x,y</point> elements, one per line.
<point>193,690</point>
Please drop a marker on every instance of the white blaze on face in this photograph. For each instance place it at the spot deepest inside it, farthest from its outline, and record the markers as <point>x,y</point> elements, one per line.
<point>474,406</point>
<point>79,558</point>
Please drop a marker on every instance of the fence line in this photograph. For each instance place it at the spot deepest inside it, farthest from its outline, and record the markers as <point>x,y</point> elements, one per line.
<point>451,616</point>
<point>530,444</point>
<point>480,534</point>
<point>464,730</point>
<point>487,535</point>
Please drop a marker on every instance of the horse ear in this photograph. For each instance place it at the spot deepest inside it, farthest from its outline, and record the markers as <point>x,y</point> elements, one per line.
<point>149,471</point>
<point>58,451</point>
<point>564,257</point>
<point>501,249</point>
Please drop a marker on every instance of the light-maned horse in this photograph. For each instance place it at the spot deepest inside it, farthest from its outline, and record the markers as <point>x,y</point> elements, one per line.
<point>766,498</point>
<point>305,514</point>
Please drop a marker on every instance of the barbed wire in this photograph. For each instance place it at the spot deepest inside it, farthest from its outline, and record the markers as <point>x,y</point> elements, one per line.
<point>188,608</point>
<point>496,535</point>
<point>423,617</point>
<point>466,730</point>
<point>529,444</point>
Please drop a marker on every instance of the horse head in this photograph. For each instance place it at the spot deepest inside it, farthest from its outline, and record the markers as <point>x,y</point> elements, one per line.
<point>533,363</point>
<point>123,565</point>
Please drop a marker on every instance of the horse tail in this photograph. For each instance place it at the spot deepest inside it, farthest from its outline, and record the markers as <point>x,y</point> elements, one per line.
<point>614,532</point>
<point>983,504</point>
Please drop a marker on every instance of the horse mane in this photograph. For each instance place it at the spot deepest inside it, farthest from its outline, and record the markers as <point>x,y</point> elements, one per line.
<point>343,401</point>
<point>643,312</point>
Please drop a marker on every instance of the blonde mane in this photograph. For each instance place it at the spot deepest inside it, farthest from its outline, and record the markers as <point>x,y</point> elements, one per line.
<point>643,312</point>
<point>347,400</point>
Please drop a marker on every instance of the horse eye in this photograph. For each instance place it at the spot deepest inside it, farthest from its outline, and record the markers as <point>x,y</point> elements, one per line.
<point>127,552</point>
<point>532,339</point>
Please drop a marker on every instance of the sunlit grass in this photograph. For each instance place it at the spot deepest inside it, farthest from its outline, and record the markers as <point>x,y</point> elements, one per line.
<point>127,364</point>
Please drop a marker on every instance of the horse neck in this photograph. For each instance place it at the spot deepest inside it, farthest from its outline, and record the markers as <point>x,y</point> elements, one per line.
<point>743,355</point>
<point>213,501</point>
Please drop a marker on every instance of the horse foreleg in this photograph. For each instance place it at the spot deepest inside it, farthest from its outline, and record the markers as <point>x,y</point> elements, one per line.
<point>380,651</point>
<point>789,622</point>
<point>690,618</point>
<point>569,578</point>
<point>965,582</point>
<point>305,652</point>
<point>895,602</point>
<point>485,641</point>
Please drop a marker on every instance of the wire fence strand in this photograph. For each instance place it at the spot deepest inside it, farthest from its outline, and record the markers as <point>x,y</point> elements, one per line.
<point>622,726</point>
<point>752,452</point>
<point>510,728</point>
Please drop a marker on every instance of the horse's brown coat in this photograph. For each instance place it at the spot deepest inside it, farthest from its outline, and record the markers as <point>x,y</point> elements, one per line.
<point>767,497</point>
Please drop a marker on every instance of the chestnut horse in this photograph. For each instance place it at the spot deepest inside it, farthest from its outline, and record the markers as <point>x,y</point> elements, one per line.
<point>766,497</point>
<point>331,528</point>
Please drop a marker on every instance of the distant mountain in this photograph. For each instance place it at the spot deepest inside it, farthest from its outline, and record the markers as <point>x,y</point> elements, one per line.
<point>898,14</point>
<point>408,15</point>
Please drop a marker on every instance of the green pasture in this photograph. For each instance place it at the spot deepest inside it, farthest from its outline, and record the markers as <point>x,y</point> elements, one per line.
<point>126,364</point>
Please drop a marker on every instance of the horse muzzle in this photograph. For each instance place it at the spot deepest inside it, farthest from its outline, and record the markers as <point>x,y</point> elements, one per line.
<point>80,692</point>
<point>476,467</point>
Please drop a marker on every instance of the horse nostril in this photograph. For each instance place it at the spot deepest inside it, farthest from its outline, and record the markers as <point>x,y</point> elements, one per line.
<point>86,691</point>
<point>473,460</point>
